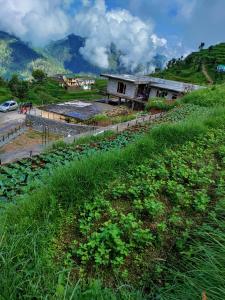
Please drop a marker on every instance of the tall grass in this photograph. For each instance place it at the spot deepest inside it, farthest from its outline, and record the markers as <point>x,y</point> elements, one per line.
<point>204,271</point>
<point>209,97</point>
<point>27,231</point>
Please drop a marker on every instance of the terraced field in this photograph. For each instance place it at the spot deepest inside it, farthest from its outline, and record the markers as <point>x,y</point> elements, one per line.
<point>15,177</point>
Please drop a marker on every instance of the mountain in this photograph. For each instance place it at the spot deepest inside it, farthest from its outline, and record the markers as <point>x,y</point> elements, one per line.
<point>62,56</point>
<point>67,51</point>
<point>199,67</point>
<point>17,56</point>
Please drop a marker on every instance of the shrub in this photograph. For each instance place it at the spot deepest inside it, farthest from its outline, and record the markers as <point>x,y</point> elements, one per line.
<point>160,104</point>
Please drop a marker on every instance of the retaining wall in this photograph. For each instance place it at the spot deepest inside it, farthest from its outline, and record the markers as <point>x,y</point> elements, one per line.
<point>57,127</point>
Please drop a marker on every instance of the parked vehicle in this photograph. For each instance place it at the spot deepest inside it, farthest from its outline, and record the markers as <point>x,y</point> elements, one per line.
<point>9,106</point>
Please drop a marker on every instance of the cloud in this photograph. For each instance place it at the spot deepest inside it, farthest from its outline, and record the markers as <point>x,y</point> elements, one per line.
<point>36,21</point>
<point>101,27</point>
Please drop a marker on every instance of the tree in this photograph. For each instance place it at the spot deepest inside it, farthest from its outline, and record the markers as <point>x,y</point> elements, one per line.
<point>202,45</point>
<point>210,48</point>
<point>14,83</point>
<point>2,81</point>
<point>19,88</point>
<point>39,75</point>
<point>22,90</point>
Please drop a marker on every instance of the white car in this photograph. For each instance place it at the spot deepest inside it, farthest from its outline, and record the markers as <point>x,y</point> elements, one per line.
<point>8,106</point>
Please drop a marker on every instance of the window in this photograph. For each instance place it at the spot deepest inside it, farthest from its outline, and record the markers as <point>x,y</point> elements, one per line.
<point>12,104</point>
<point>121,89</point>
<point>162,94</point>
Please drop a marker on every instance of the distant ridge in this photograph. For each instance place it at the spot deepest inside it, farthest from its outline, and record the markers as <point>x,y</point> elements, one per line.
<point>198,67</point>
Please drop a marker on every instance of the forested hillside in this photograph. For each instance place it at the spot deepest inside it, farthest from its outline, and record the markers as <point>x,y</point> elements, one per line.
<point>198,67</point>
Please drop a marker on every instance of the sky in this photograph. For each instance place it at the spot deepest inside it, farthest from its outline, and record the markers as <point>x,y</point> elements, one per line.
<point>140,29</point>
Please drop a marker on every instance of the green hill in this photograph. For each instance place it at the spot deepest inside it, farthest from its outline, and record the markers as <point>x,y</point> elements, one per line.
<point>50,92</point>
<point>133,215</point>
<point>19,57</point>
<point>198,67</point>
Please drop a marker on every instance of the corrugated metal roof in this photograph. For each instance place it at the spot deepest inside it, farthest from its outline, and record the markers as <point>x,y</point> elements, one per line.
<point>130,78</point>
<point>156,82</point>
<point>174,85</point>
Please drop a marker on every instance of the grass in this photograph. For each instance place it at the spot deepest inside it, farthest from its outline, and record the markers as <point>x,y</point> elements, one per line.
<point>31,228</point>
<point>204,270</point>
<point>51,92</point>
<point>159,104</point>
<point>208,97</point>
<point>189,69</point>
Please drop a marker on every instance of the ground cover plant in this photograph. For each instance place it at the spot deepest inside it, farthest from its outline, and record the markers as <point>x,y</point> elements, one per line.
<point>47,242</point>
<point>208,97</point>
<point>49,91</point>
<point>15,177</point>
<point>143,221</point>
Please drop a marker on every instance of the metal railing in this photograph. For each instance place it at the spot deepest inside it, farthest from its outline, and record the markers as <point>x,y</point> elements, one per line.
<point>13,133</point>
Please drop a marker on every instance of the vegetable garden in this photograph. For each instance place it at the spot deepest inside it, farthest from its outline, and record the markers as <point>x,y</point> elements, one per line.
<point>15,177</point>
<point>141,223</point>
<point>125,210</point>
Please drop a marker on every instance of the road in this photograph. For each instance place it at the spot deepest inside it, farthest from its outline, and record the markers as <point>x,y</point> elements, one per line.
<point>9,121</point>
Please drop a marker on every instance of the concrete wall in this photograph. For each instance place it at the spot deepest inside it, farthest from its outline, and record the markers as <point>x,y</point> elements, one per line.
<point>130,88</point>
<point>153,93</point>
<point>57,127</point>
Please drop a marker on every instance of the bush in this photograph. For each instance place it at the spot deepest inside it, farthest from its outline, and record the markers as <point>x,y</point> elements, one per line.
<point>207,97</point>
<point>159,104</point>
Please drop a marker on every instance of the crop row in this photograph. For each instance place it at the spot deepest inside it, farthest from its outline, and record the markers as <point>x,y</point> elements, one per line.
<point>133,230</point>
<point>15,177</point>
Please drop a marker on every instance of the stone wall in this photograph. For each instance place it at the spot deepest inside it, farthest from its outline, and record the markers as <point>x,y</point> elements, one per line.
<point>57,127</point>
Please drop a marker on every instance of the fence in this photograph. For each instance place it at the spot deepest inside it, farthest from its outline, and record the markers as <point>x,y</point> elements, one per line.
<point>12,134</point>
<point>115,128</point>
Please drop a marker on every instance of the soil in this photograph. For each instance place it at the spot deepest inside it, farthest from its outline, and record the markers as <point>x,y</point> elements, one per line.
<point>23,145</point>
<point>154,111</point>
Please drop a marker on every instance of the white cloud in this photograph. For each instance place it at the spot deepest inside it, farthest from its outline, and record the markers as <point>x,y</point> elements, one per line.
<point>133,37</point>
<point>36,21</point>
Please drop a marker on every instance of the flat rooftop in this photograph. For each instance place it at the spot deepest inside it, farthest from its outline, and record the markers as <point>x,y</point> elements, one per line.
<point>76,109</point>
<point>172,85</point>
<point>79,110</point>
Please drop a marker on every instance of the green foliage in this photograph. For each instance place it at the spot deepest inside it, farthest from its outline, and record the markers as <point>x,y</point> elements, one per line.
<point>159,105</point>
<point>208,97</point>
<point>19,88</point>
<point>130,213</point>
<point>39,75</point>
<point>190,68</point>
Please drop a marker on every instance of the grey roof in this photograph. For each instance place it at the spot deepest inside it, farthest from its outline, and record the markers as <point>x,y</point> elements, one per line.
<point>172,85</point>
<point>75,111</point>
<point>130,78</point>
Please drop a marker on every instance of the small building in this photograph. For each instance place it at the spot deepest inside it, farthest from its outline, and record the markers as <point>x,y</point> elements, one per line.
<point>140,89</point>
<point>74,83</point>
<point>72,111</point>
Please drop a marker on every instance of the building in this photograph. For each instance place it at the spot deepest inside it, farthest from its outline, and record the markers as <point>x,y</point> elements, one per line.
<point>139,89</point>
<point>73,83</point>
<point>72,111</point>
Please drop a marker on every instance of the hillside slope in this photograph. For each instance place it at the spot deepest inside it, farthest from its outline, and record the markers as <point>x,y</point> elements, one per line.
<point>17,56</point>
<point>67,51</point>
<point>198,67</point>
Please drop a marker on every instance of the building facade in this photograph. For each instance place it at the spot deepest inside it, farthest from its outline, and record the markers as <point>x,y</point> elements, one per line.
<point>142,88</point>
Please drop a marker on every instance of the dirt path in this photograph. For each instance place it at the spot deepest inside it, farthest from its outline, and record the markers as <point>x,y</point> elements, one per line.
<point>206,74</point>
